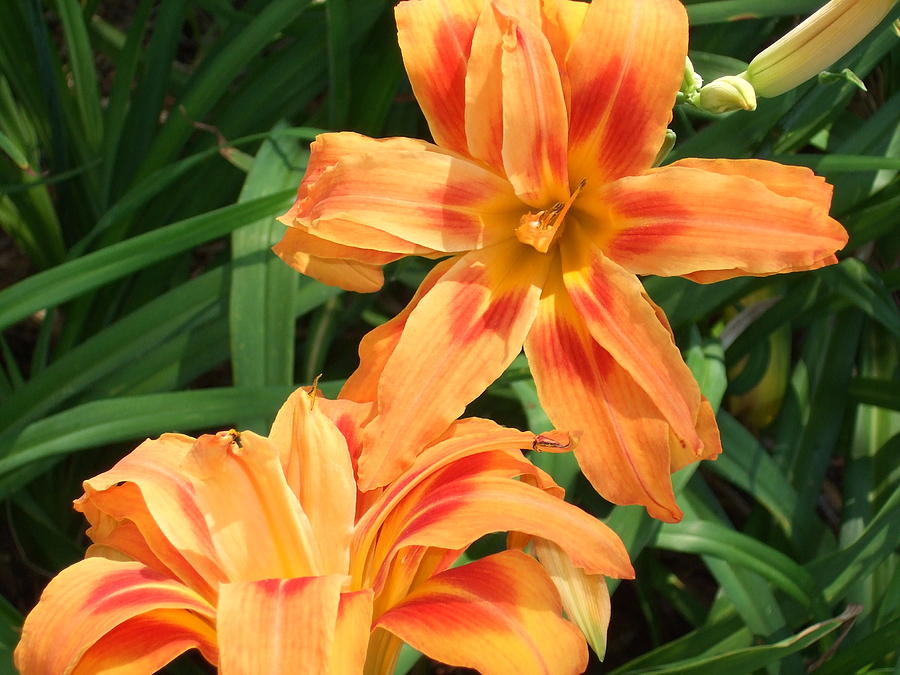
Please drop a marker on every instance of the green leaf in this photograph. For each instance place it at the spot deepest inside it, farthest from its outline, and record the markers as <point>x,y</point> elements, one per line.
<point>853,280</point>
<point>10,632</point>
<point>719,541</point>
<point>70,279</point>
<point>338,63</point>
<point>261,320</point>
<point>746,464</point>
<point>126,342</point>
<point>844,75</point>
<point>751,659</point>
<point>867,651</point>
<point>881,393</point>
<point>706,359</point>
<point>81,59</point>
<point>15,153</point>
<point>836,571</point>
<point>211,81</point>
<point>718,11</point>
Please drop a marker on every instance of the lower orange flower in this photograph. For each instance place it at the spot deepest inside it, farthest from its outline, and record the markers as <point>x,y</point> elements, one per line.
<point>262,554</point>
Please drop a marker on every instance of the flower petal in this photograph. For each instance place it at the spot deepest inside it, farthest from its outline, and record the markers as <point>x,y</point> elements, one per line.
<point>227,508</point>
<point>122,528</point>
<point>712,220</point>
<point>535,120</point>
<point>561,21</point>
<point>585,597</point>
<point>624,69</point>
<point>484,91</point>
<point>454,513</point>
<point>624,447</point>
<point>463,439</point>
<point>707,430</point>
<point>611,302</point>
<point>112,598</point>
<point>351,635</point>
<point>497,615</point>
<point>278,625</point>
<point>379,343</point>
<point>147,488</point>
<point>316,463</point>
<point>459,338</point>
<point>145,643</point>
<point>367,199</point>
<point>350,268</point>
<point>435,38</point>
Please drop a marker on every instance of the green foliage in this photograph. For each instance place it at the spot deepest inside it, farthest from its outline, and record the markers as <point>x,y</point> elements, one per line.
<point>141,165</point>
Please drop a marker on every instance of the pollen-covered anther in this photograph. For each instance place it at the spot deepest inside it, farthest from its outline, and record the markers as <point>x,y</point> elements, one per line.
<point>233,435</point>
<point>540,229</point>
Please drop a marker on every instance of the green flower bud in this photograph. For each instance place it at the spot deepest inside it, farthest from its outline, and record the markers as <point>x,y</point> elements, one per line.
<point>814,45</point>
<point>726,94</point>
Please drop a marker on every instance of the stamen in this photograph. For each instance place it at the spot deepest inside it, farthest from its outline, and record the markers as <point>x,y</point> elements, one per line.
<point>540,229</point>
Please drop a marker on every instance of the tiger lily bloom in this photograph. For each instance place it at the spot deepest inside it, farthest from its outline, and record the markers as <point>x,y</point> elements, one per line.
<point>262,554</point>
<point>547,116</point>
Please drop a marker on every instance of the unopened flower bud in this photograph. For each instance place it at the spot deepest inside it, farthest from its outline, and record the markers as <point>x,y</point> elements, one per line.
<point>814,45</point>
<point>726,94</point>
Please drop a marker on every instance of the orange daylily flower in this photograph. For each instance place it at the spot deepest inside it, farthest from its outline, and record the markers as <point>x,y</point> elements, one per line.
<point>262,553</point>
<point>547,117</point>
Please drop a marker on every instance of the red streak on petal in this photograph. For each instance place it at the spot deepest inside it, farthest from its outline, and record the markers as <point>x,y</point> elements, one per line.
<point>469,323</point>
<point>450,71</point>
<point>663,215</point>
<point>584,98</point>
<point>568,353</point>
<point>346,424</point>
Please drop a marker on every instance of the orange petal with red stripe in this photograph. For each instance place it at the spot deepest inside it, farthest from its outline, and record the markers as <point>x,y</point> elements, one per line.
<point>353,269</point>
<point>127,616</point>
<point>454,513</point>
<point>624,67</point>
<point>484,91</point>
<point>379,343</point>
<point>610,300</point>
<point>123,528</point>
<point>535,119</point>
<point>278,625</point>
<point>436,38</point>
<point>459,338</point>
<point>716,219</point>
<point>463,439</point>
<point>624,447</point>
<point>316,463</point>
<point>367,199</point>
<point>211,496</point>
<point>498,615</point>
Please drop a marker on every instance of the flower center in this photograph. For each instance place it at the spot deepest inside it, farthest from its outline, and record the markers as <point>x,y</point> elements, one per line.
<point>540,229</point>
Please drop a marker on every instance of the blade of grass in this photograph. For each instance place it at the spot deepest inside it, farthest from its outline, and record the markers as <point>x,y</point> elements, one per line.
<point>213,79</point>
<point>263,287</point>
<point>84,74</point>
<point>752,659</point>
<point>338,101</point>
<point>68,280</point>
<point>119,98</point>
<point>719,11</point>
